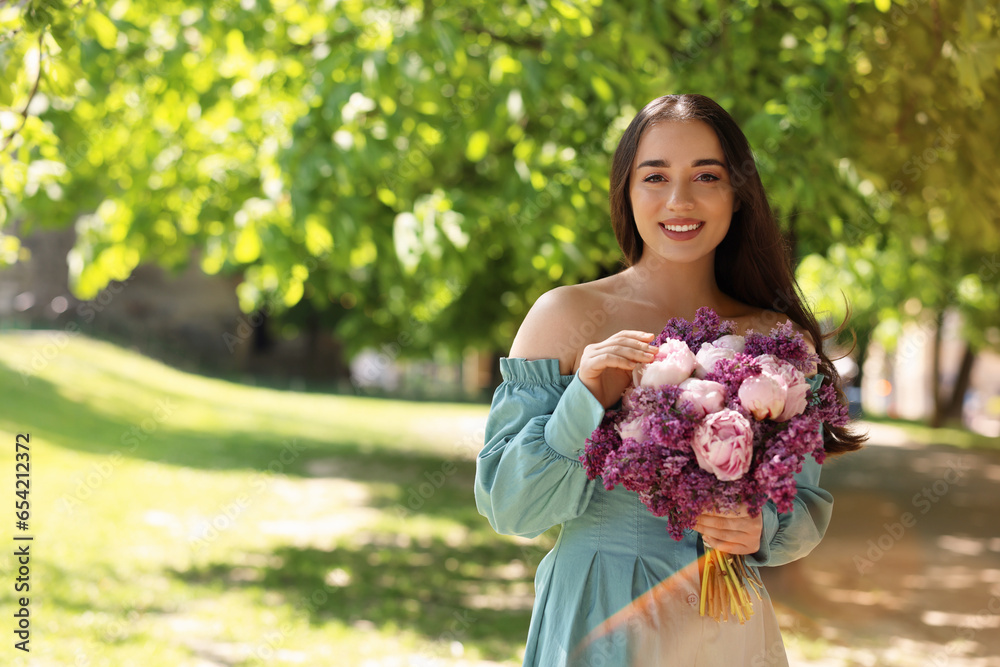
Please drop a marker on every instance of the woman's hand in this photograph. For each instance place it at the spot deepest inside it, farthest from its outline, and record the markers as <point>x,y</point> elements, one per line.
<point>732,533</point>
<point>606,367</point>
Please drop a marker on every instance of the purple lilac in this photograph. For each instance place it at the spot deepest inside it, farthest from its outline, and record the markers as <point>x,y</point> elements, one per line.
<point>707,327</point>
<point>661,467</point>
<point>785,343</point>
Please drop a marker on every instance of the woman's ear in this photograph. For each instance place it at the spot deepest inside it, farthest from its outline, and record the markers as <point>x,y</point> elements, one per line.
<point>736,204</point>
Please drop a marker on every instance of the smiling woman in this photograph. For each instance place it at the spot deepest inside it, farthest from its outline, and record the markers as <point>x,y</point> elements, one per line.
<point>692,219</point>
<point>681,171</point>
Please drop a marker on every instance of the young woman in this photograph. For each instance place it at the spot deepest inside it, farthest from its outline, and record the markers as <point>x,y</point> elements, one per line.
<point>696,229</point>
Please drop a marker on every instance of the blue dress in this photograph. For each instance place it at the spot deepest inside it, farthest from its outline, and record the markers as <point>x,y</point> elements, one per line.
<point>616,589</point>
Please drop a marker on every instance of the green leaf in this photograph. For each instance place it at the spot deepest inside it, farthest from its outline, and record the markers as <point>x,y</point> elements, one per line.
<point>247,248</point>
<point>478,144</point>
<point>602,88</point>
<point>102,28</point>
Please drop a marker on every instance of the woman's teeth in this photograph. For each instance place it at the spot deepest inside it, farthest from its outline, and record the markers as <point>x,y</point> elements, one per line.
<point>682,228</point>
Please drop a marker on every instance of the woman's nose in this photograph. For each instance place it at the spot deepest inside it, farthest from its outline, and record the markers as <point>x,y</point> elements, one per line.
<point>679,198</point>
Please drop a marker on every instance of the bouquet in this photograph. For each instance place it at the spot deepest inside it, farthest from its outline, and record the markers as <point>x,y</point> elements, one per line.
<point>716,422</point>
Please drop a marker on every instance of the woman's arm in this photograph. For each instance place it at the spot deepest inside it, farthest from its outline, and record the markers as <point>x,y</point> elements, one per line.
<point>788,537</point>
<point>529,476</point>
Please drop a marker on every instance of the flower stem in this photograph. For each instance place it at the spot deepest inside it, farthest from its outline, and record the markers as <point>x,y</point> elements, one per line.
<point>724,583</point>
<point>704,581</point>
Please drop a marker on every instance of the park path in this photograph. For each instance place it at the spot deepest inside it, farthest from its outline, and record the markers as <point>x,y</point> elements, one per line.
<point>908,574</point>
<point>909,570</point>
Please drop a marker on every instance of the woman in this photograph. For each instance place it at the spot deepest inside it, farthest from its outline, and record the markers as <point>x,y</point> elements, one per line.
<point>694,224</point>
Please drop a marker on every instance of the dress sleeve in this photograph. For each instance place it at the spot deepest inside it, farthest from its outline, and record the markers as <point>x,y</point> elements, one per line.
<point>788,537</point>
<point>528,475</point>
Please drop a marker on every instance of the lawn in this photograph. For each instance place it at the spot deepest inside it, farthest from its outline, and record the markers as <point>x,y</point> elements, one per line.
<point>186,521</point>
<point>920,433</point>
<point>180,520</point>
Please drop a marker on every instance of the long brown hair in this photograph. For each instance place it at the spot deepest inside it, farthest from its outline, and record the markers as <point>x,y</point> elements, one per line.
<point>753,262</point>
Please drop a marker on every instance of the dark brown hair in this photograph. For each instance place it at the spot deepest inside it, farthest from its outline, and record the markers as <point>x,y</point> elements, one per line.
<point>753,262</point>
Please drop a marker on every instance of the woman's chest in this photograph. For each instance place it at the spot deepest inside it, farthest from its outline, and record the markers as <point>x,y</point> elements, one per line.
<point>636,318</point>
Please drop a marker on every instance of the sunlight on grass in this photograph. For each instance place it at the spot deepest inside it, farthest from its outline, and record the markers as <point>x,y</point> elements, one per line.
<point>926,435</point>
<point>187,521</point>
<point>181,520</point>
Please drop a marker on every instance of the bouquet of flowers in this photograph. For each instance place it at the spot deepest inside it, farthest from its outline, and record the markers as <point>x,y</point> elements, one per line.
<point>716,422</point>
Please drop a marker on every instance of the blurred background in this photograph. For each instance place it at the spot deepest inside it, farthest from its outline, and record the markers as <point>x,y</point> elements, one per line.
<point>258,261</point>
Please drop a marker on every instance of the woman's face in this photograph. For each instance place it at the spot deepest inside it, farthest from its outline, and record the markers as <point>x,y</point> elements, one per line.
<point>681,193</point>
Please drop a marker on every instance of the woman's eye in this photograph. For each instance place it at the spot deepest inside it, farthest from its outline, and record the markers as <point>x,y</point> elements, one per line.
<point>653,178</point>
<point>711,177</point>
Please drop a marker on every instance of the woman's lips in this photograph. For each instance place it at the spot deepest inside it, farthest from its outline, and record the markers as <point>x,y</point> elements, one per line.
<point>682,231</point>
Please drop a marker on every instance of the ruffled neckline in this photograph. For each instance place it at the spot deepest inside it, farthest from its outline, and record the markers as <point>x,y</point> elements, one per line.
<point>533,371</point>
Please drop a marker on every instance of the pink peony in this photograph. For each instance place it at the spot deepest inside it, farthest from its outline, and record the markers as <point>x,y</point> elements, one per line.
<point>770,364</point>
<point>778,393</point>
<point>795,401</point>
<point>631,428</point>
<point>723,444</point>
<point>732,342</point>
<point>706,396</point>
<point>709,355</point>
<point>793,381</point>
<point>673,364</point>
<point>763,396</point>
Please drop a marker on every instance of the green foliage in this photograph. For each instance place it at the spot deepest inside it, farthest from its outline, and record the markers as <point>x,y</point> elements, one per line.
<point>926,235</point>
<point>418,173</point>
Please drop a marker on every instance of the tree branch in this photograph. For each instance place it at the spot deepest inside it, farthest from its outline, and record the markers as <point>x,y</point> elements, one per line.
<point>27,105</point>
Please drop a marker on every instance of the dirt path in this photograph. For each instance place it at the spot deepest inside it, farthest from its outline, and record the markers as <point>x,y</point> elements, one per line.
<point>908,574</point>
<point>909,571</point>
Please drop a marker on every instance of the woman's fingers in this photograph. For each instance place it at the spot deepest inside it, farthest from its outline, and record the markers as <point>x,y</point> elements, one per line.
<point>736,534</point>
<point>633,339</point>
<point>638,335</point>
<point>620,359</point>
<point>621,345</point>
<point>606,366</point>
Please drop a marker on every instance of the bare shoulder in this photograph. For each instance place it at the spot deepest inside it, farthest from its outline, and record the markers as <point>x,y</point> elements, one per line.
<point>552,328</point>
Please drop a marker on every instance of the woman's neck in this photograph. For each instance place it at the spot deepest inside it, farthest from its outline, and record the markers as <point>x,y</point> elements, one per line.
<point>679,289</point>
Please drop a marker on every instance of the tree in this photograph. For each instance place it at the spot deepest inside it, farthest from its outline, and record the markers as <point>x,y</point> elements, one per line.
<point>417,173</point>
<point>925,240</point>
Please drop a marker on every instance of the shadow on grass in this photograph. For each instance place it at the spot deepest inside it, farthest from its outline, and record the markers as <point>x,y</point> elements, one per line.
<point>478,592</point>
<point>52,412</point>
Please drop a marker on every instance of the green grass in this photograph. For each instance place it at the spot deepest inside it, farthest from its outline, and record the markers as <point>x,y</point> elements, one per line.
<point>923,434</point>
<point>179,520</point>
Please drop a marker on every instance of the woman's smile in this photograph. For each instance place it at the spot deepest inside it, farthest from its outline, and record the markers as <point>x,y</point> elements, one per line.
<point>680,191</point>
<point>682,229</point>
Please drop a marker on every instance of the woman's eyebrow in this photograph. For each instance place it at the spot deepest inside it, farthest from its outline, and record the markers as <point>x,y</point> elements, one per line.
<point>697,163</point>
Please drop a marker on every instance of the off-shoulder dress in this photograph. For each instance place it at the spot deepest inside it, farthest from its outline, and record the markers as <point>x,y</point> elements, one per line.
<point>616,590</point>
